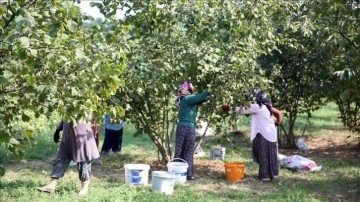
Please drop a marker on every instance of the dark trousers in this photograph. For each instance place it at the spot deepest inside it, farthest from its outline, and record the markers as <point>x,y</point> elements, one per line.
<point>112,141</point>
<point>185,146</point>
<point>61,164</point>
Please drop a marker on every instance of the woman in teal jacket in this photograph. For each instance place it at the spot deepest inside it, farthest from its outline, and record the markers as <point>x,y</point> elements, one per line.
<point>185,131</point>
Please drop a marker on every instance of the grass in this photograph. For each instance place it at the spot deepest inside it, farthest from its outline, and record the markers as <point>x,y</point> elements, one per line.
<point>339,179</point>
<point>322,120</point>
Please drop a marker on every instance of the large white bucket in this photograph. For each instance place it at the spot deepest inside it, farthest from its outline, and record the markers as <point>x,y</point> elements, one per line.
<point>163,181</point>
<point>179,169</point>
<point>136,174</point>
<point>217,153</point>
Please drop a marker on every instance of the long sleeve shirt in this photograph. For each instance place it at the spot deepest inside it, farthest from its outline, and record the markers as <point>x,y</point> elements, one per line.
<point>261,122</point>
<point>188,108</point>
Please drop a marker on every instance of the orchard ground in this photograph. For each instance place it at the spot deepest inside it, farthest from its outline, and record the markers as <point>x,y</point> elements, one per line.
<point>332,152</point>
<point>330,146</point>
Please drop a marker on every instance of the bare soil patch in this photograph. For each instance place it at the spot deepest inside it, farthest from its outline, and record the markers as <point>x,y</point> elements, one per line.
<point>336,144</point>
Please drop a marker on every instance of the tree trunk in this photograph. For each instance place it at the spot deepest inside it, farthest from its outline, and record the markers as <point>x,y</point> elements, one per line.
<point>342,111</point>
<point>289,135</point>
<point>162,148</point>
<point>165,157</point>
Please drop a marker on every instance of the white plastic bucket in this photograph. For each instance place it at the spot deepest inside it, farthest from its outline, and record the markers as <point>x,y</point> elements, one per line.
<point>179,169</point>
<point>137,174</point>
<point>163,181</point>
<point>217,153</point>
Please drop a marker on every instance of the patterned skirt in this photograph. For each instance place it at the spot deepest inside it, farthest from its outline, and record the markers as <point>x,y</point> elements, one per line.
<point>185,146</point>
<point>265,154</point>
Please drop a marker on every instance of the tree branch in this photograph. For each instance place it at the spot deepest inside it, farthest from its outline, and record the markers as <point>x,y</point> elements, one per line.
<point>352,43</point>
<point>16,13</point>
<point>11,90</point>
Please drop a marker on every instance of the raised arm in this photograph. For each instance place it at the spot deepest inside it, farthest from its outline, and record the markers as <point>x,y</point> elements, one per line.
<point>247,110</point>
<point>278,115</point>
<point>197,98</point>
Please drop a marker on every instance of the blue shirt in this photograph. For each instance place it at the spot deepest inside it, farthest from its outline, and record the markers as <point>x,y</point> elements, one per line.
<point>112,126</point>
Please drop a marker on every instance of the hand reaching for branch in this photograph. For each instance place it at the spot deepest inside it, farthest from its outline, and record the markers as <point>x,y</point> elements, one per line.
<point>210,97</point>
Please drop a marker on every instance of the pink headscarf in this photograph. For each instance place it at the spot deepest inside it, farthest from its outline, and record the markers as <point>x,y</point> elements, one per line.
<point>185,89</point>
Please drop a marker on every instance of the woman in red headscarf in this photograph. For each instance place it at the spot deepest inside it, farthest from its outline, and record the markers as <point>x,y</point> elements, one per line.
<point>187,103</point>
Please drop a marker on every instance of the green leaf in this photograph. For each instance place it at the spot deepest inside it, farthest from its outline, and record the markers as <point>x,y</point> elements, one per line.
<point>25,118</point>
<point>13,141</point>
<point>79,53</point>
<point>30,80</point>
<point>41,87</point>
<point>2,170</point>
<point>33,52</point>
<point>94,4</point>
<point>42,96</point>
<point>23,54</point>
<point>54,29</point>
<point>63,58</point>
<point>21,2</point>
<point>29,133</point>
<point>74,92</point>
<point>50,56</point>
<point>24,21</point>
<point>53,89</point>
<point>3,80</point>
<point>24,42</point>
<point>4,138</point>
<point>72,26</point>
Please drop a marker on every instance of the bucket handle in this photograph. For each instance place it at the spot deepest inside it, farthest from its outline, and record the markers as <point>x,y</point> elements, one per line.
<point>178,159</point>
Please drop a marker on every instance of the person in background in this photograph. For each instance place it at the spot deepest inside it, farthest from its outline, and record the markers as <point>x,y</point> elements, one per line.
<point>187,103</point>
<point>263,135</point>
<point>113,136</point>
<point>77,144</point>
